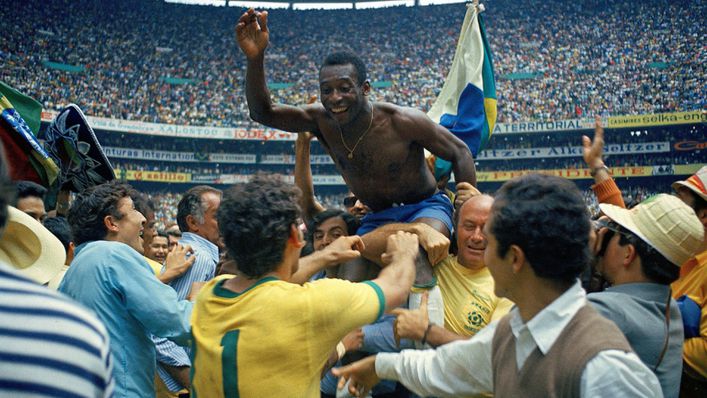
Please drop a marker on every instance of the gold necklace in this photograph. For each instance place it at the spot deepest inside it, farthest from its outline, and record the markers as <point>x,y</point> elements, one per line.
<point>341,134</point>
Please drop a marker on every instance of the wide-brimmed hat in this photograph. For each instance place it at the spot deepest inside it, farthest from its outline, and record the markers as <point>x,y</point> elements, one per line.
<point>664,222</point>
<point>29,247</point>
<point>697,183</point>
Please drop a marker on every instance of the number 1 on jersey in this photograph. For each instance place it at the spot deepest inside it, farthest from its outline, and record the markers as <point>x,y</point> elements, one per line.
<point>229,364</point>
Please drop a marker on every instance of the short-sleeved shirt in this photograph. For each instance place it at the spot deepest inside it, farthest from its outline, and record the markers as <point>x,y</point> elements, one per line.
<point>469,300</point>
<point>273,339</point>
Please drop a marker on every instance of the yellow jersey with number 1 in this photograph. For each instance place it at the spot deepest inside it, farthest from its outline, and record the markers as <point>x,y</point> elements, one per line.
<point>273,339</point>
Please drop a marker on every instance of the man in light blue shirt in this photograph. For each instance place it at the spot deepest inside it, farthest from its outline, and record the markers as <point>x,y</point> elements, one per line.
<point>196,217</point>
<point>110,276</point>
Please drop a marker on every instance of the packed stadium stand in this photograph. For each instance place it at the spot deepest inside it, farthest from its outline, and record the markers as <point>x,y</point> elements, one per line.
<point>130,64</point>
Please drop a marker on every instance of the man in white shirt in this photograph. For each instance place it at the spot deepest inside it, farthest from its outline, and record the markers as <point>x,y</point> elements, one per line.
<point>552,343</point>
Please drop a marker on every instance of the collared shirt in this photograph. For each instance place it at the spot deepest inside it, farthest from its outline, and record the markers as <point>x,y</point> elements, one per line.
<point>203,270</point>
<point>114,281</point>
<point>465,367</point>
<point>638,309</point>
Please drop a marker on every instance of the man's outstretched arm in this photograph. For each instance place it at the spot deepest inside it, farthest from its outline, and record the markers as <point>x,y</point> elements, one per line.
<point>253,35</point>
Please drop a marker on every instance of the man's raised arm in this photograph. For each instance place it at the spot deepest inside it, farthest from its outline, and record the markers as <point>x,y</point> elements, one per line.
<point>253,35</point>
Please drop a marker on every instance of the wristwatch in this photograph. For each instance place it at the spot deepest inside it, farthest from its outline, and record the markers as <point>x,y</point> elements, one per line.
<point>593,171</point>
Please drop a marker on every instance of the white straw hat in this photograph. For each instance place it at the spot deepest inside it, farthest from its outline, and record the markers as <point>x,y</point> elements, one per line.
<point>664,222</point>
<point>697,183</point>
<point>29,247</point>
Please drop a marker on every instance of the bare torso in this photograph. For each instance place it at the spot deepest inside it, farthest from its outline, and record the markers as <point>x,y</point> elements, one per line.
<point>386,166</point>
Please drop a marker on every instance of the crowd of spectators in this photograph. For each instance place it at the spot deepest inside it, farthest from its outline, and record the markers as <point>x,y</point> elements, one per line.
<point>588,57</point>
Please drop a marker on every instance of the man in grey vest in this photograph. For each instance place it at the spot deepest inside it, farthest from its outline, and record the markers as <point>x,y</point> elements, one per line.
<point>552,343</point>
<point>640,253</point>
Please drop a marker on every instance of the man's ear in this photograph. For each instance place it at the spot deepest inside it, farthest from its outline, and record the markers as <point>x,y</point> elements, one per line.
<point>109,223</point>
<point>366,87</point>
<point>191,223</point>
<point>630,254</point>
<point>517,258</point>
<point>296,238</point>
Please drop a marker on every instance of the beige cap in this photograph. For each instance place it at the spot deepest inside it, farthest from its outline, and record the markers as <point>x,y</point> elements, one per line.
<point>664,222</point>
<point>696,183</point>
<point>29,247</point>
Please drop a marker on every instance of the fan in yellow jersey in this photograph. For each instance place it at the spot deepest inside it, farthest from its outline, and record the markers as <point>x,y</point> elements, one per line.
<point>465,283</point>
<point>260,335</point>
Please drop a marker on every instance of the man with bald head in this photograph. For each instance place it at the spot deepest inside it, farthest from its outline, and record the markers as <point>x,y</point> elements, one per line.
<point>465,283</point>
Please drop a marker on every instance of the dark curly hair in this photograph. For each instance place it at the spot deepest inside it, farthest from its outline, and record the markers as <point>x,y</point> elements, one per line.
<point>347,58</point>
<point>546,217</point>
<point>255,220</point>
<point>92,205</point>
<point>60,228</point>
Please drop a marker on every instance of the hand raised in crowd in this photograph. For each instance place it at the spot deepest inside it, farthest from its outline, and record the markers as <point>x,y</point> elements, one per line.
<point>344,248</point>
<point>400,244</point>
<point>465,191</point>
<point>592,150</point>
<point>178,261</point>
<point>252,33</point>
<point>434,242</point>
<point>411,324</point>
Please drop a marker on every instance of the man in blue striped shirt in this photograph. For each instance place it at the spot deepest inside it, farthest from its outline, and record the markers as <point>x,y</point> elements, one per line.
<point>196,217</point>
<point>49,346</point>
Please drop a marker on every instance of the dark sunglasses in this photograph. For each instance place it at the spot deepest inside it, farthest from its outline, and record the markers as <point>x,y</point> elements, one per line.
<point>350,201</point>
<point>613,227</point>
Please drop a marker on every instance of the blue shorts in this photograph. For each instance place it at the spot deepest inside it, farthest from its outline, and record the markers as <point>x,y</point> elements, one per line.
<point>437,206</point>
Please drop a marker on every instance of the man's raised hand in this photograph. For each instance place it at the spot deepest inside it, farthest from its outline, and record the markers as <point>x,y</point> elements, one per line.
<point>344,249</point>
<point>434,242</point>
<point>399,245</point>
<point>592,150</point>
<point>252,33</point>
<point>411,324</point>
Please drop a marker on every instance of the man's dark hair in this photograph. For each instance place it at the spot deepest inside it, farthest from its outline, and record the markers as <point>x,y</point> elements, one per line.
<point>352,223</point>
<point>698,203</point>
<point>7,189</point>
<point>29,188</point>
<point>546,217</point>
<point>172,232</point>
<point>92,205</point>
<point>654,265</point>
<point>192,204</point>
<point>162,233</point>
<point>255,220</point>
<point>347,58</point>
<point>143,204</point>
<point>60,228</point>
